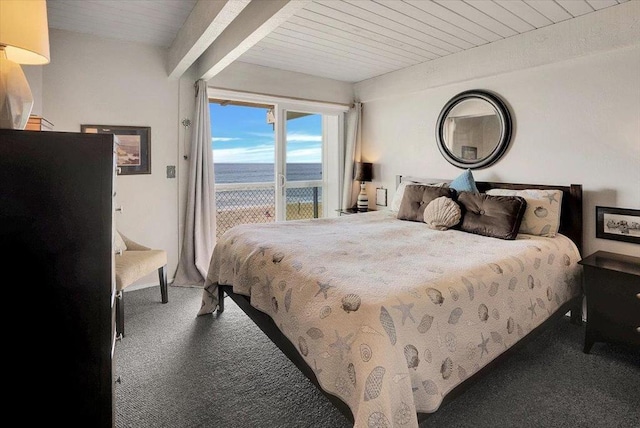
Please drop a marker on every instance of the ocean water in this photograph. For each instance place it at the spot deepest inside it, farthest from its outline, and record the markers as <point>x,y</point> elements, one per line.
<point>263,173</point>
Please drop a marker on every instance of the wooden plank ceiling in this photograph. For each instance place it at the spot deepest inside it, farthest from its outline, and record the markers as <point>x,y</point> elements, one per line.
<point>347,40</point>
<point>153,22</point>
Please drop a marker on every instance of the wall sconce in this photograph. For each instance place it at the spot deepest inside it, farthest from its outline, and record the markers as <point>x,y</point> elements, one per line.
<point>363,173</point>
<point>24,39</point>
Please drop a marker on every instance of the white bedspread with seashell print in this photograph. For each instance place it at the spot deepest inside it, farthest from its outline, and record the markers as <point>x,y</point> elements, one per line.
<point>392,315</point>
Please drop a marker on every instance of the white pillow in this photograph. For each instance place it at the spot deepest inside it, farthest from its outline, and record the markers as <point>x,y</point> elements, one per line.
<point>397,197</point>
<point>119,244</point>
<point>542,215</point>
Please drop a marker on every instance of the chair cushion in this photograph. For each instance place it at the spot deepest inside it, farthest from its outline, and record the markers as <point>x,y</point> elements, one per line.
<point>133,265</point>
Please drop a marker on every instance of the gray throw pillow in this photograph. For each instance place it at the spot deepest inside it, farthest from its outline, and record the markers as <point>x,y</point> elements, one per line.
<point>495,216</point>
<point>416,198</point>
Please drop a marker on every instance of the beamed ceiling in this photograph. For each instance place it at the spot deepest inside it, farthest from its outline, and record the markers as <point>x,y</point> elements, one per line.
<point>346,40</point>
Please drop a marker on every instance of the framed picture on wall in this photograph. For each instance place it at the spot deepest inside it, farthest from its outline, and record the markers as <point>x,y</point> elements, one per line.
<point>469,153</point>
<point>133,146</point>
<point>619,224</point>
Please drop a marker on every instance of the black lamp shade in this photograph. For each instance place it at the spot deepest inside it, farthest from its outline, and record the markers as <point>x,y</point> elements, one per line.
<point>363,171</point>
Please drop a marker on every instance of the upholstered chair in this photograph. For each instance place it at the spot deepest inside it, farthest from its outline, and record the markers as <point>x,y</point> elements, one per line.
<point>134,261</point>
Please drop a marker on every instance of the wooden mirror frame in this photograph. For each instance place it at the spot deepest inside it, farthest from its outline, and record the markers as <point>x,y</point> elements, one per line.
<point>505,131</point>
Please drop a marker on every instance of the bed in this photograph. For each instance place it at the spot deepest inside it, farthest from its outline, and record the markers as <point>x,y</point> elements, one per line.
<point>391,319</point>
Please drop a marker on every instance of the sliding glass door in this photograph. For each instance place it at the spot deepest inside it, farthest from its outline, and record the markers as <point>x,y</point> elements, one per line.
<point>301,176</point>
<point>274,160</point>
<point>243,144</point>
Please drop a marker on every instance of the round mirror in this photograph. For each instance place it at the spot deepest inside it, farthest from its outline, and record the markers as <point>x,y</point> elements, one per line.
<point>473,129</point>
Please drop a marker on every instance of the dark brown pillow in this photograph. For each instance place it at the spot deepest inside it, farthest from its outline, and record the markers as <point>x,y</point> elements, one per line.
<point>495,216</point>
<point>416,198</point>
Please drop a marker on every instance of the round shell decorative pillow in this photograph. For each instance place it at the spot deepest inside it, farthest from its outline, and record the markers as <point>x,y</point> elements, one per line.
<point>442,213</point>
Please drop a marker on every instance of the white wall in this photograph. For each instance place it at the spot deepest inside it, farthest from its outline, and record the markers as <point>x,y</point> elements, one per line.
<point>91,80</point>
<point>576,120</point>
<point>33,73</point>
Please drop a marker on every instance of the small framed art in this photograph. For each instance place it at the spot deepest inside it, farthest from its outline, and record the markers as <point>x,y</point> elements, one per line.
<point>133,146</point>
<point>381,197</point>
<point>619,224</point>
<point>469,153</point>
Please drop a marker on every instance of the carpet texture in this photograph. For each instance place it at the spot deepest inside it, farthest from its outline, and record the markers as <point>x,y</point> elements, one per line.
<point>178,370</point>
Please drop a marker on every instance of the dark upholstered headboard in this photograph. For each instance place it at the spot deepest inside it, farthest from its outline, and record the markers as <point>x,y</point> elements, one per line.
<point>570,213</point>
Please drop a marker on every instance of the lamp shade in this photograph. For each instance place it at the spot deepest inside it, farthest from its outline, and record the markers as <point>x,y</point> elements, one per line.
<point>24,31</point>
<point>363,171</point>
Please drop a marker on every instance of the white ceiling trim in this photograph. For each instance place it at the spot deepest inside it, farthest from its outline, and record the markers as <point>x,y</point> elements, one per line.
<point>255,22</point>
<point>205,23</point>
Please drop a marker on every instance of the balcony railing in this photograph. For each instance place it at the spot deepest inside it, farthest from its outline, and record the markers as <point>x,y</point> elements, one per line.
<point>242,203</point>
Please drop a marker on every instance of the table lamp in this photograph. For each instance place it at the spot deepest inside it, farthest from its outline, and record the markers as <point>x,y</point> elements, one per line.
<point>24,39</point>
<point>363,173</point>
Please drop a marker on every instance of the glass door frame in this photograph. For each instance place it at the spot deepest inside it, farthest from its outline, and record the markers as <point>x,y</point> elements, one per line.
<point>333,118</point>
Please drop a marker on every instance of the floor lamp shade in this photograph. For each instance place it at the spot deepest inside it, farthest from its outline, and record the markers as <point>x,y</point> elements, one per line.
<point>363,173</point>
<point>24,39</point>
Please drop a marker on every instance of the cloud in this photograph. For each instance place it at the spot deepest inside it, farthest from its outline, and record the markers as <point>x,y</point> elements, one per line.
<point>312,154</point>
<point>224,139</point>
<point>292,137</point>
<point>265,154</point>
<point>296,137</point>
<point>254,154</point>
<point>263,134</point>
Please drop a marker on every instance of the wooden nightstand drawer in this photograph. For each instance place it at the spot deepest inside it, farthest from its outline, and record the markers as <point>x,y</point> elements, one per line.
<point>612,286</point>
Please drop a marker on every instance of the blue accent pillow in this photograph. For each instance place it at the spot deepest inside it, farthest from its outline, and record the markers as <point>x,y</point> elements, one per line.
<point>464,183</point>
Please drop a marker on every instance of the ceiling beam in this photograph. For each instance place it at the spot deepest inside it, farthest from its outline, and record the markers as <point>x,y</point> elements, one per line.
<point>254,23</point>
<point>205,23</point>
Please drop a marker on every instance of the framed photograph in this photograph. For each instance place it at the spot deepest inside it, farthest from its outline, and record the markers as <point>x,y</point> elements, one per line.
<point>619,224</point>
<point>133,146</point>
<point>469,153</point>
<point>381,197</point>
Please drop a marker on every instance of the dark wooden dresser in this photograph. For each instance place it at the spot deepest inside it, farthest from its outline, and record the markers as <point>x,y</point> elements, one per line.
<point>56,227</point>
<point>612,290</point>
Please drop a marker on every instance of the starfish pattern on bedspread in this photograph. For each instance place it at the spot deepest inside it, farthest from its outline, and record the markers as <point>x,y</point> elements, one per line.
<point>324,287</point>
<point>406,311</point>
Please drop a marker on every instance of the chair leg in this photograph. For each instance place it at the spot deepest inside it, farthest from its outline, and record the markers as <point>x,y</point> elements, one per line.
<point>162,274</point>
<point>120,314</point>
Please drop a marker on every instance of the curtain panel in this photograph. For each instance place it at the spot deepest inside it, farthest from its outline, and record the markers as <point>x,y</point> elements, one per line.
<point>200,216</point>
<point>353,149</point>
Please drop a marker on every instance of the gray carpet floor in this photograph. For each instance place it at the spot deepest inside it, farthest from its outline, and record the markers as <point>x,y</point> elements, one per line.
<point>178,370</point>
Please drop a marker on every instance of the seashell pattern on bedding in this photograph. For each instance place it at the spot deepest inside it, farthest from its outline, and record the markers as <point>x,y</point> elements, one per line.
<point>392,315</point>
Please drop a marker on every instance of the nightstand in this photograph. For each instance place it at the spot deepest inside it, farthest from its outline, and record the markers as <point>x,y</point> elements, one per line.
<point>352,211</point>
<point>612,290</point>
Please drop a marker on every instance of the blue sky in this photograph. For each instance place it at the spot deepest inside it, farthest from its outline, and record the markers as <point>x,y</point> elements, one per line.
<point>242,135</point>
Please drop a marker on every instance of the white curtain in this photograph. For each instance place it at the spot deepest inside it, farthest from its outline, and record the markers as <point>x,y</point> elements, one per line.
<point>200,217</point>
<point>353,148</point>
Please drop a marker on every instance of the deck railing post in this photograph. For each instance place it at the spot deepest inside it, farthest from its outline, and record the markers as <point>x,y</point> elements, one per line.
<point>315,202</point>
